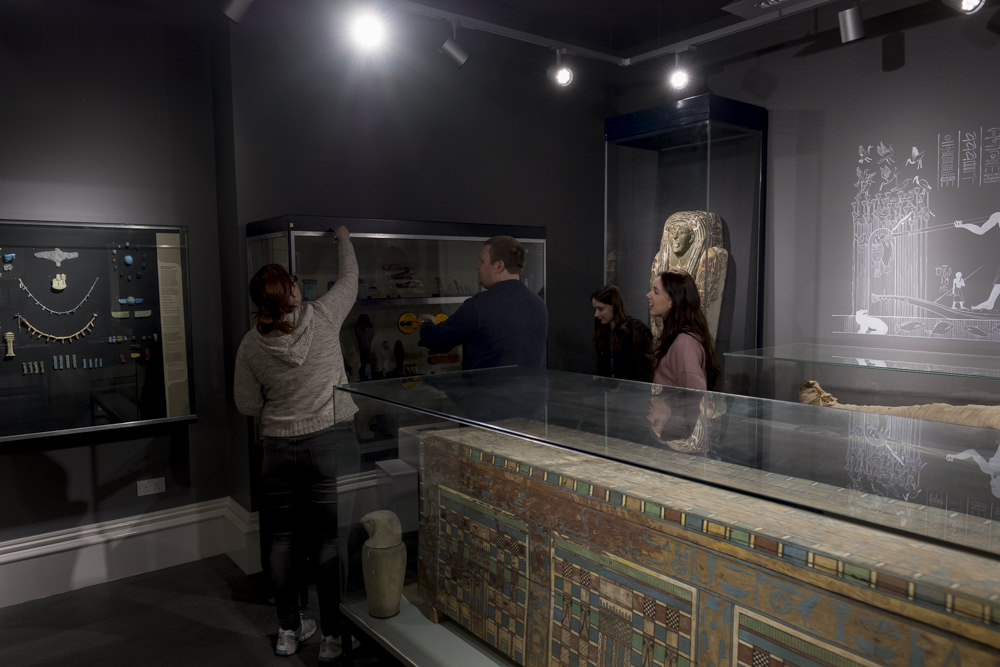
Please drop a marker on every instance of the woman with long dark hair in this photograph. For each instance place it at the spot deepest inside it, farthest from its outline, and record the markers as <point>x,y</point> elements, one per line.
<point>286,368</point>
<point>622,343</point>
<point>685,354</point>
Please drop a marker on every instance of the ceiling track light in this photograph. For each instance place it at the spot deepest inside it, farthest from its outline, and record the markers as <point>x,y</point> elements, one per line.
<point>965,6</point>
<point>852,26</point>
<point>368,30</point>
<point>560,73</point>
<point>679,76</point>
<point>453,49</point>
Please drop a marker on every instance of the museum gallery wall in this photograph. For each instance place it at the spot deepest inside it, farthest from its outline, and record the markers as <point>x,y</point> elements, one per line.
<point>108,121</point>
<point>114,123</point>
<point>883,189</point>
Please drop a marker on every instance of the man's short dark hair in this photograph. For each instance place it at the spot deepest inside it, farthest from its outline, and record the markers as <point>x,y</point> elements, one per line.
<point>508,250</point>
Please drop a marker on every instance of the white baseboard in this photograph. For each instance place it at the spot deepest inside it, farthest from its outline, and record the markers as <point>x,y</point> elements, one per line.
<point>52,563</point>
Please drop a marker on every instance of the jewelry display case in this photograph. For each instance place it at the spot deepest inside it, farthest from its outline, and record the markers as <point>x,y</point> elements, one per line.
<point>406,268</point>
<point>94,326</point>
<point>685,187</point>
<point>566,519</point>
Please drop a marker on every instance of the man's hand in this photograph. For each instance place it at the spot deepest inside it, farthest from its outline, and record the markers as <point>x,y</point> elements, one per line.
<point>342,234</point>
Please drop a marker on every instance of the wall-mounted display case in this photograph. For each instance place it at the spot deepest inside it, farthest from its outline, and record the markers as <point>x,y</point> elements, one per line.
<point>94,326</point>
<point>703,156</point>
<point>565,519</point>
<point>406,268</point>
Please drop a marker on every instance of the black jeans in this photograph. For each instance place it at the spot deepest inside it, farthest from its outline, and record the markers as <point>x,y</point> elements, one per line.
<point>299,477</point>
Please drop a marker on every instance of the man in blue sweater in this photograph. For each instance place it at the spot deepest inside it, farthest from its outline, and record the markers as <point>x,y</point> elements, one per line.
<point>505,325</point>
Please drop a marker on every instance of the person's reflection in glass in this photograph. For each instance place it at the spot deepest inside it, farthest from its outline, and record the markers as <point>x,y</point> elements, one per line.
<point>474,394</point>
<point>364,333</point>
<point>675,420</point>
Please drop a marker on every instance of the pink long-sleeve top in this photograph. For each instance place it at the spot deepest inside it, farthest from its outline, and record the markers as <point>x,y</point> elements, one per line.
<point>683,365</point>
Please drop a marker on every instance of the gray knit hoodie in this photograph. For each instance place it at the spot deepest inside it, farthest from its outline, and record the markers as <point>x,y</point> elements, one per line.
<point>286,380</point>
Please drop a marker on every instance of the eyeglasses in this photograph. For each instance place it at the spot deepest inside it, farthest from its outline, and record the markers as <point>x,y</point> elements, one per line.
<point>295,279</point>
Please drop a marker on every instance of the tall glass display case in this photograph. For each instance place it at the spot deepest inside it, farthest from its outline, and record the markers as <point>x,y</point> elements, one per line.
<point>562,518</point>
<point>685,189</point>
<point>406,268</point>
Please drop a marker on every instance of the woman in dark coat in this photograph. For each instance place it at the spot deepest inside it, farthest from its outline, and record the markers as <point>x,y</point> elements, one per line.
<point>622,343</point>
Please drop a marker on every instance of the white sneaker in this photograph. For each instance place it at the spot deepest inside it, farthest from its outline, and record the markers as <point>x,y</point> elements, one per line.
<point>288,640</point>
<point>330,649</point>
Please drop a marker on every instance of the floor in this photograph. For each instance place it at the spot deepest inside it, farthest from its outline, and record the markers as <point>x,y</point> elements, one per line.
<point>203,613</point>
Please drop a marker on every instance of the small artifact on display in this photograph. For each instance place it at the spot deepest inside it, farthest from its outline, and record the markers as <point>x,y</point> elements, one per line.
<point>692,241</point>
<point>54,338</point>
<point>983,416</point>
<point>61,286</point>
<point>58,256</point>
<point>383,561</point>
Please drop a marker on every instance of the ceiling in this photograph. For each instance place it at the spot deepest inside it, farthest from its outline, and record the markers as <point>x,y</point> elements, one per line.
<point>629,31</point>
<point>616,27</point>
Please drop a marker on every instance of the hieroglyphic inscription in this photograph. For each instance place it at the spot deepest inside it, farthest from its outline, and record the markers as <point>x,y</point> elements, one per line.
<point>969,157</point>
<point>991,155</point>
<point>947,172</point>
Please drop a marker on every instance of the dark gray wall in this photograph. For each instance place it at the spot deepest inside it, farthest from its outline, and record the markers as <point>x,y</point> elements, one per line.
<point>408,135</point>
<point>107,117</point>
<point>826,102</point>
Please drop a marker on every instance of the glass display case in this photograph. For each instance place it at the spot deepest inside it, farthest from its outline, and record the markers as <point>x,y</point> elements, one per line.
<point>550,502</point>
<point>685,188</point>
<point>864,375</point>
<point>95,327</point>
<point>406,268</point>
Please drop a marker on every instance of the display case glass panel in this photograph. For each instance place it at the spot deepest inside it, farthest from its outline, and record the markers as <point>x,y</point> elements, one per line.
<point>405,269</point>
<point>697,161</point>
<point>95,327</point>
<point>904,475</point>
<point>864,375</point>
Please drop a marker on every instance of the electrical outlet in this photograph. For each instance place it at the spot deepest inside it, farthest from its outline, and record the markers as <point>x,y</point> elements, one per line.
<point>147,487</point>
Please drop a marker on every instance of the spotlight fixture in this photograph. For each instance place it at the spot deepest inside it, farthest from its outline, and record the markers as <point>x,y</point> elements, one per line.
<point>368,31</point>
<point>235,9</point>
<point>851,25</point>
<point>560,73</point>
<point>679,77</point>
<point>965,6</point>
<point>453,49</point>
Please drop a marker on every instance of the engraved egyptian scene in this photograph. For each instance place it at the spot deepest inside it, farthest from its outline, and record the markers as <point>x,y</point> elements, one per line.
<point>926,223</point>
